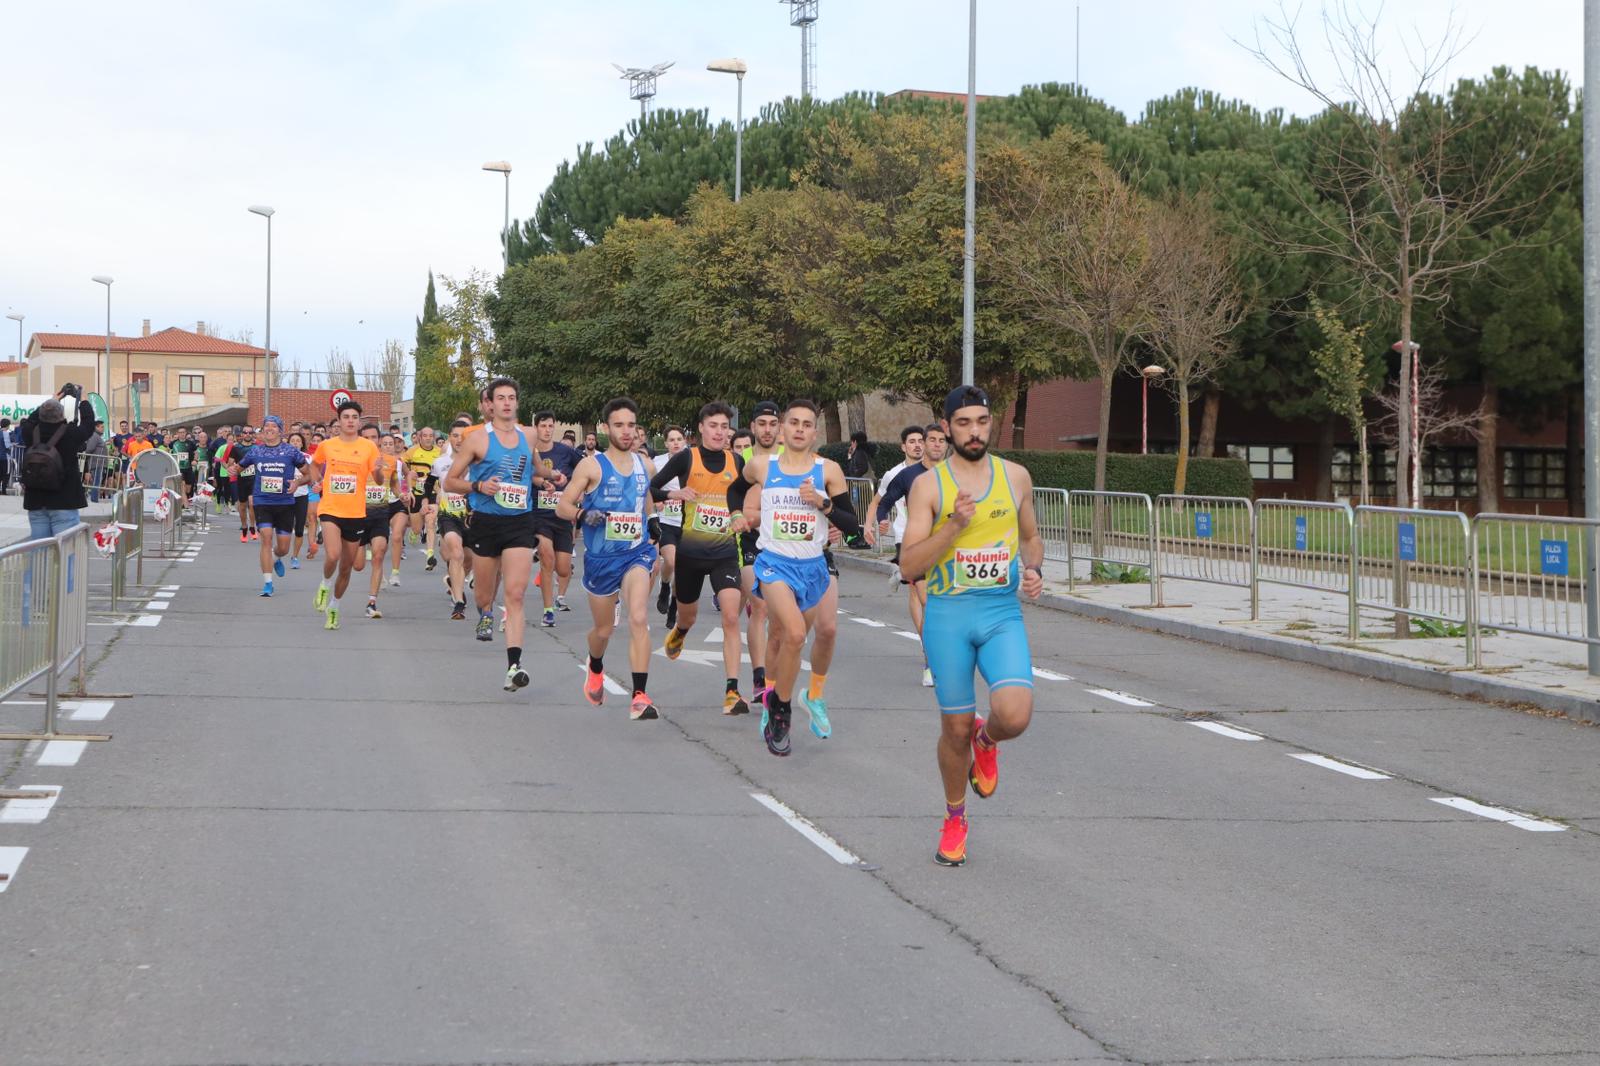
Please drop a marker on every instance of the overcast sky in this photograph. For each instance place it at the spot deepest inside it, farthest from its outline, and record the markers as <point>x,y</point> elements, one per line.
<point>137,134</point>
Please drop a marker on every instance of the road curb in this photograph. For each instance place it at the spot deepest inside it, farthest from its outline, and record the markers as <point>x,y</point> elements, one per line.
<point>1350,661</point>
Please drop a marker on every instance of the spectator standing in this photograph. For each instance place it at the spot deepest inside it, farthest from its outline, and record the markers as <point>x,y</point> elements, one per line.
<point>5,456</point>
<point>95,449</point>
<point>858,460</point>
<point>52,510</point>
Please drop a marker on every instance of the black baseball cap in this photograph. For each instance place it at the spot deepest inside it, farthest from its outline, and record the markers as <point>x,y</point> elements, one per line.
<point>765,407</point>
<point>964,396</point>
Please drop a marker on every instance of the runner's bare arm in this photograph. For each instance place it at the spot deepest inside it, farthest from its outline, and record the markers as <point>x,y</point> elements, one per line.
<point>1031,543</point>
<point>584,477</point>
<point>471,451</point>
<point>840,509</point>
<point>921,547</point>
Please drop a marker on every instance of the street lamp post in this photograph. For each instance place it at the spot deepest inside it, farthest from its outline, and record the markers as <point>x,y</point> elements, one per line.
<point>1147,374</point>
<point>17,318</point>
<point>969,255</point>
<point>502,167</point>
<point>266,392</point>
<point>1591,330</point>
<point>106,281</point>
<point>738,68</point>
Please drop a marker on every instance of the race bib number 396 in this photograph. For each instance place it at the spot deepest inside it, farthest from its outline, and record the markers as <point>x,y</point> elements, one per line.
<point>983,568</point>
<point>628,528</point>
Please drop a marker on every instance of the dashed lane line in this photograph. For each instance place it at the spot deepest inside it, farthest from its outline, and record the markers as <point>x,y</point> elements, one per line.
<point>834,850</point>
<point>1226,731</point>
<point>1339,766</point>
<point>10,862</point>
<point>30,811</point>
<point>1498,814</point>
<point>1121,697</point>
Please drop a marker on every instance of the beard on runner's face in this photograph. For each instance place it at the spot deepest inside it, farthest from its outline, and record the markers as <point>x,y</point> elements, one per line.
<point>973,449</point>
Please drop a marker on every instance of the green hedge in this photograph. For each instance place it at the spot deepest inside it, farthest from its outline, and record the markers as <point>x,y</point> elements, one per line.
<point>1150,474</point>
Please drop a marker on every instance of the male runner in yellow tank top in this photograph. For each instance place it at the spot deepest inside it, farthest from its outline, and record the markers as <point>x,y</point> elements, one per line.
<point>970,529</point>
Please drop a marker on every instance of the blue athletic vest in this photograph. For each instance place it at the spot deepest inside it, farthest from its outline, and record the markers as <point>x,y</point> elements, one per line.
<point>514,468</point>
<point>621,497</point>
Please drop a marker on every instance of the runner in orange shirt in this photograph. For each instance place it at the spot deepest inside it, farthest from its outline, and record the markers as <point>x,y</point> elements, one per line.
<point>343,465</point>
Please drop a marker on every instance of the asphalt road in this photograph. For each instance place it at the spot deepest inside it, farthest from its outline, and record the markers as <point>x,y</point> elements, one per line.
<point>352,847</point>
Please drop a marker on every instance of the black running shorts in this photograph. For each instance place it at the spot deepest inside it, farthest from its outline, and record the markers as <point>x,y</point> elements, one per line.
<point>490,534</point>
<point>351,530</point>
<point>558,531</point>
<point>449,523</point>
<point>691,575</point>
<point>280,517</point>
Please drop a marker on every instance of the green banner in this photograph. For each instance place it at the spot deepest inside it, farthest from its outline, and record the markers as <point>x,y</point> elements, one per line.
<point>133,391</point>
<point>101,412</point>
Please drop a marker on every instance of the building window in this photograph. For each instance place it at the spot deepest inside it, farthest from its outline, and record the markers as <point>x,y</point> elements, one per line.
<point>1268,462</point>
<point>141,381</point>
<point>1534,475</point>
<point>191,383</point>
<point>1450,473</point>
<point>1347,472</point>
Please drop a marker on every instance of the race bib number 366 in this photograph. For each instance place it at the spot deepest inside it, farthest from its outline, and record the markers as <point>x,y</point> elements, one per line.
<point>709,518</point>
<point>628,528</point>
<point>983,568</point>
<point>792,525</point>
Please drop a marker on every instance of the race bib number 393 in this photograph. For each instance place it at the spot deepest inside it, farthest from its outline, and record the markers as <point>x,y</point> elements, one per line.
<point>628,528</point>
<point>709,518</point>
<point>793,525</point>
<point>983,568</point>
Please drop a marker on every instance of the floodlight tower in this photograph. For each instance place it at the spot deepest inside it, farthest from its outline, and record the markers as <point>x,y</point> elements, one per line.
<point>642,84</point>
<point>803,13</point>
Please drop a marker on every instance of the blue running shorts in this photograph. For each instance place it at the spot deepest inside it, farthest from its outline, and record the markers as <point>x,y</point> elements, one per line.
<point>603,574</point>
<point>964,633</point>
<point>808,579</point>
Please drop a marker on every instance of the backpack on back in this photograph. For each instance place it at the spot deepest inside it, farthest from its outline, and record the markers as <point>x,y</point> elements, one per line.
<point>42,469</point>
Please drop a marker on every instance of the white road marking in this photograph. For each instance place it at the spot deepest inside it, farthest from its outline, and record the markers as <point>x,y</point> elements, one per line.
<point>170,588</point>
<point>1050,675</point>
<point>832,847</point>
<point>157,605</point>
<point>1226,731</point>
<point>1341,767</point>
<point>1501,814</point>
<point>873,622</point>
<point>1121,697</point>
<point>908,636</point>
<point>139,620</point>
<point>714,658</point>
<point>89,710</point>
<point>62,752</point>
<point>10,860</point>
<point>30,811</point>
<point>611,686</point>
<point>164,595</point>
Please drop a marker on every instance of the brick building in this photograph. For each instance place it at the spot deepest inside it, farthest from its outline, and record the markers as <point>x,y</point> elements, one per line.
<point>312,405</point>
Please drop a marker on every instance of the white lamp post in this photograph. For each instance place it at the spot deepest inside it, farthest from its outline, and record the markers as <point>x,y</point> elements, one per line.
<point>106,281</point>
<point>17,318</point>
<point>266,394</point>
<point>1149,374</point>
<point>738,68</point>
<point>502,167</point>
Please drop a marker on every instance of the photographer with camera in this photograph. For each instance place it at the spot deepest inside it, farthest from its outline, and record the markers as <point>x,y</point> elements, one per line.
<point>52,490</point>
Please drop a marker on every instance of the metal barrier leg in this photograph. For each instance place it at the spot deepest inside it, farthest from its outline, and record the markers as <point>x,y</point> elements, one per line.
<point>52,680</point>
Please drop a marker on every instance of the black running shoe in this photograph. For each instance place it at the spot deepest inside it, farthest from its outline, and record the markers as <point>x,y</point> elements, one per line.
<point>661,600</point>
<point>458,611</point>
<point>775,726</point>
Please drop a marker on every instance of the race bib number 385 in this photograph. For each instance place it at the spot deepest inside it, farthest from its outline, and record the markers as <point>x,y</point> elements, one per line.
<point>374,495</point>
<point>983,568</point>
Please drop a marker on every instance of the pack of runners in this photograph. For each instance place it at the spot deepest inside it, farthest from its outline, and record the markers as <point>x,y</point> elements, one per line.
<point>747,524</point>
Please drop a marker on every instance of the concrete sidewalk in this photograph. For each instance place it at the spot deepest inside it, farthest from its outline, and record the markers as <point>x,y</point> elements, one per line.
<point>1311,627</point>
<point>14,520</point>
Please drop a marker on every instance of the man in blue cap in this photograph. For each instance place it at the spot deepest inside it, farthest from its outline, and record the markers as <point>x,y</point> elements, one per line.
<point>276,464</point>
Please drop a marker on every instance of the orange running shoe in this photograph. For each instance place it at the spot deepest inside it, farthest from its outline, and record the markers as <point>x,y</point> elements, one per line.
<point>642,709</point>
<point>952,842</point>
<point>985,770</point>
<point>594,687</point>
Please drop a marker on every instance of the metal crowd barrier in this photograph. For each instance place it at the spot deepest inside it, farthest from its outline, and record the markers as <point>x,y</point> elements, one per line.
<point>1112,528</point>
<point>1531,574</point>
<point>1210,539</point>
<point>14,453</point>
<point>99,473</point>
<point>1416,563</point>
<point>44,621</point>
<point>128,512</point>
<point>1050,513</point>
<point>1306,544</point>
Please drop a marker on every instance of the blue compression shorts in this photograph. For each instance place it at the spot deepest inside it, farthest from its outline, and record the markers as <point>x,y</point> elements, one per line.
<point>808,579</point>
<point>964,633</point>
<point>603,574</point>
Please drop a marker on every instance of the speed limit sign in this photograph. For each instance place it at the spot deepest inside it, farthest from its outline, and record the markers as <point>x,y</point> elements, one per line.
<point>340,396</point>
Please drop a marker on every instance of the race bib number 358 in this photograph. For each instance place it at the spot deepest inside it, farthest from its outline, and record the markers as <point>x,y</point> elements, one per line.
<point>983,568</point>
<point>791,525</point>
